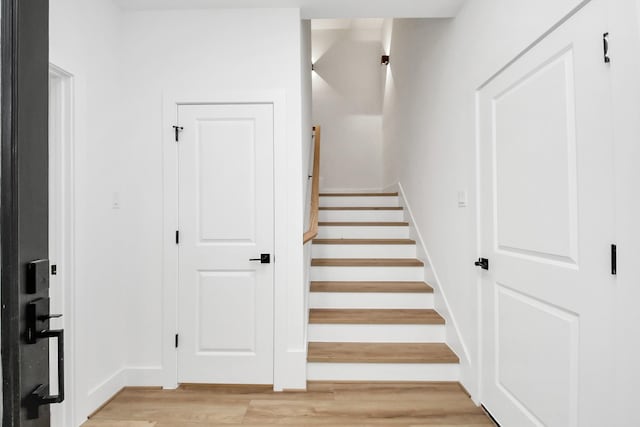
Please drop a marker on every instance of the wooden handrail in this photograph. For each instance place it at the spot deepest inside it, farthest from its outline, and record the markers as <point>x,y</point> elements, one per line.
<point>312,232</point>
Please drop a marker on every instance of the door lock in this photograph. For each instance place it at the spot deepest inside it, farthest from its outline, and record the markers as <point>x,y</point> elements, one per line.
<point>264,259</point>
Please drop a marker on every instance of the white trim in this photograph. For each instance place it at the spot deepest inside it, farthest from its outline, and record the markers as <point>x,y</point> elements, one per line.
<point>477,396</point>
<point>454,337</point>
<point>170,221</point>
<point>104,391</point>
<point>144,376</point>
<point>63,144</point>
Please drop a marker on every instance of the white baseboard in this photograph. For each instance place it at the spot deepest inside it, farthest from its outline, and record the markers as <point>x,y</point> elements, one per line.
<point>104,391</point>
<point>454,337</point>
<point>144,376</point>
<point>125,377</point>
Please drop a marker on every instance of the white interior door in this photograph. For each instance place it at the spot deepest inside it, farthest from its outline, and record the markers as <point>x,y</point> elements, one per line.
<point>547,225</point>
<point>225,310</point>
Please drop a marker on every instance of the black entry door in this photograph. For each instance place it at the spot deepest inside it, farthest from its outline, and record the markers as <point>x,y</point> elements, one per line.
<point>24,215</point>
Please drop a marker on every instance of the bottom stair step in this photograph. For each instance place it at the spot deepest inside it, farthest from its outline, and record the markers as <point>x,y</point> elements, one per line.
<point>387,372</point>
<point>380,353</point>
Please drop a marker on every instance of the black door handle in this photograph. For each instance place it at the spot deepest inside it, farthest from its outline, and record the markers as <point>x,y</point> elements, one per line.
<point>264,259</point>
<point>483,263</point>
<point>41,393</point>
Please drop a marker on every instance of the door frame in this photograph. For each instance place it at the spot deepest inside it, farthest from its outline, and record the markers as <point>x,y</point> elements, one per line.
<point>24,196</point>
<point>61,143</point>
<point>170,280</point>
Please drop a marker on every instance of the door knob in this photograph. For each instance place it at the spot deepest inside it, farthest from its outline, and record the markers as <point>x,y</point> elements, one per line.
<point>264,259</point>
<point>483,263</point>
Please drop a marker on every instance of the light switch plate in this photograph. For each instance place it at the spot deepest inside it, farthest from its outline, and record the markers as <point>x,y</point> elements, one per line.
<point>462,199</point>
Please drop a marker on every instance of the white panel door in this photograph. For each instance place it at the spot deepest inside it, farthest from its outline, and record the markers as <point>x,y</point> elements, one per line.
<point>547,224</point>
<point>225,307</point>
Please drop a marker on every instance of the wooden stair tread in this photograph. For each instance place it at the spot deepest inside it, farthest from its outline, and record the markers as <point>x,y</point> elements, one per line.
<point>358,194</point>
<point>363,224</point>
<point>380,353</point>
<point>375,316</point>
<point>364,242</point>
<point>366,262</point>
<point>386,287</point>
<point>361,208</point>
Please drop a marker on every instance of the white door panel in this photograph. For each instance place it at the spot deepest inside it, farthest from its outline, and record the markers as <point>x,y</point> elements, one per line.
<point>225,219</point>
<point>547,225</point>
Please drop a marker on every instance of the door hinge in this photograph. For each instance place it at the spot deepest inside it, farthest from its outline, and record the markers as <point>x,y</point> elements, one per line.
<point>176,340</point>
<point>54,270</point>
<point>177,237</point>
<point>614,260</point>
<point>605,45</point>
<point>177,130</point>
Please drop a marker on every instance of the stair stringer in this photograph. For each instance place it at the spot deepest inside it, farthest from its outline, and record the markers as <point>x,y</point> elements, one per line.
<point>453,336</point>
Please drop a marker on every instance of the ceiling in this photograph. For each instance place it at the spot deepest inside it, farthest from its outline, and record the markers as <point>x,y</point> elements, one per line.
<point>348,24</point>
<point>314,9</point>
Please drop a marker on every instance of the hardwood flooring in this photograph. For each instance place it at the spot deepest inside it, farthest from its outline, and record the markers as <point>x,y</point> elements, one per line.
<point>323,404</point>
<point>366,262</point>
<point>360,208</point>
<point>355,352</point>
<point>364,242</point>
<point>363,224</point>
<point>358,194</point>
<point>392,287</point>
<point>372,316</point>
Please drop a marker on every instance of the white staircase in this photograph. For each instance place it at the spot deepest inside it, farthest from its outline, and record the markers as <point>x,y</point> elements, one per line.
<point>372,316</point>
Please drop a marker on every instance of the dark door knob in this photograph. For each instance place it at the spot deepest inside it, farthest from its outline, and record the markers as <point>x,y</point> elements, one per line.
<point>483,263</point>
<point>264,259</point>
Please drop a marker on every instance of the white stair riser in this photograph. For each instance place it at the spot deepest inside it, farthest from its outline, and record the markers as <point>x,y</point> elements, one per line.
<point>363,232</point>
<point>376,333</point>
<point>382,372</point>
<point>379,300</point>
<point>363,251</point>
<point>361,215</point>
<point>329,201</point>
<point>400,274</point>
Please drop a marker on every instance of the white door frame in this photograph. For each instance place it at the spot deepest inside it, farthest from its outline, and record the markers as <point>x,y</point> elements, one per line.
<point>62,163</point>
<point>170,102</point>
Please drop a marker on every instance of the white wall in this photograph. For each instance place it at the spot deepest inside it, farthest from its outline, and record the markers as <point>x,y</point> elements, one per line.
<point>347,103</point>
<point>85,40</point>
<point>122,62</point>
<point>429,133</point>
<point>206,51</point>
<point>625,66</point>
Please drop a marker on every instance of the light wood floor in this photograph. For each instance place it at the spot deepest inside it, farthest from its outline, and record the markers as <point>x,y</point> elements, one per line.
<point>323,404</point>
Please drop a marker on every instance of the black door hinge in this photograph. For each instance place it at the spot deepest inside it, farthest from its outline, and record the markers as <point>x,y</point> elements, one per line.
<point>177,130</point>
<point>605,45</point>
<point>177,237</point>
<point>176,340</point>
<point>54,270</point>
<point>614,260</point>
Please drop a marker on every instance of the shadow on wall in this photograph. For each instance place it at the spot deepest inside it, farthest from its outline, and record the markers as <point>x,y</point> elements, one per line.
<point>350,68</point>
